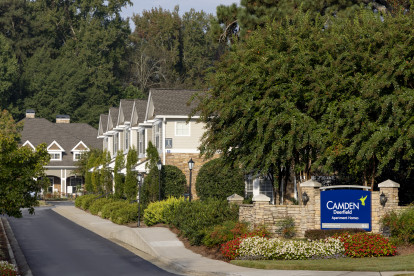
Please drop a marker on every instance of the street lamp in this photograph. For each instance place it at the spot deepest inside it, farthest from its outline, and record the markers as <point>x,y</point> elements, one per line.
<point>139,178</point>
<point>190,166</point>
<point>159,165</point>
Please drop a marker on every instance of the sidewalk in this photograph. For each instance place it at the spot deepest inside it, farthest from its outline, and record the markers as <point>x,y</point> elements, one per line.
<point>162,247</point>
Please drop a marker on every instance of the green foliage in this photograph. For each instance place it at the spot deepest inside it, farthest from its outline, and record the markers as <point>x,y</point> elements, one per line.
<point>315,93</point>
<point>105,173</point>
<point>109,209</point>
<point>150,188</point>
<point>131,186</point>
<point>128,213</point>
<point>400,226</point>
<point>157,212</point>
<point>173,182</point>
<point>318,234</point>
<point>98,204</point>
<point>286,227</point>
<point>194,218</point>
<point>217,180</point>
<point>119,178</point>
<point>21,170</point>
<point>8,71</point>
<point>85,201</point>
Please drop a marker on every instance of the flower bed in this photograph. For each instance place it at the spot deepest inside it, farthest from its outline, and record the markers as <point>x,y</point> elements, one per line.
<point>277,249</point>
<point>7,269</point>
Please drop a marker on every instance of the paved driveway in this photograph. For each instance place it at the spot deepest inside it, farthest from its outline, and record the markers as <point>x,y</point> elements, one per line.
<point>53,245</point>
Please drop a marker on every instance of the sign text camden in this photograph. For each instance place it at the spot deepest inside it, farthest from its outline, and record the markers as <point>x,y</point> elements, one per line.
<point>346,209</point>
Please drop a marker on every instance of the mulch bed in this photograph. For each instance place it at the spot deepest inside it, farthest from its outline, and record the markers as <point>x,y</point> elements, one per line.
<point>4,252</point>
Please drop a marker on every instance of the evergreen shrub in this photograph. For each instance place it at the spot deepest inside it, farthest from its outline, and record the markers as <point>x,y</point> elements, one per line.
<point>156,211</point>
<point>109,208</point>
<point>84,201</point>
<point>400,226</point>
<point>217,180</point>
<point>127,214</point>
<point>194,218</point>
<point>98,204</point>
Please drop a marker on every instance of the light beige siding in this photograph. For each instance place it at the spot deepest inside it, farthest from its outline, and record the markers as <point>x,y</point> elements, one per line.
<point>184,142</point>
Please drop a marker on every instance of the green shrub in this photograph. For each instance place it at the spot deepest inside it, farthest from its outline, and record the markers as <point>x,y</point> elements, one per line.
<point>286,227</point>
<point>217,180</point>
<point>173,184</point>
<point>84,201</point>
<point>156,211</point>
<point>318,234</point>
<point>400,226</point>
<point>194,218</point>
<point>111,207</point>
<point>366,245</point>
<point>127,214</point>
<point>98,204</point>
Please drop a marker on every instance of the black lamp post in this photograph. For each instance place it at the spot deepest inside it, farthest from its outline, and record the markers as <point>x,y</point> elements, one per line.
<point>139,178</point>
<point>190,166</point>
<point>305,198</point>
<point>159,165</point>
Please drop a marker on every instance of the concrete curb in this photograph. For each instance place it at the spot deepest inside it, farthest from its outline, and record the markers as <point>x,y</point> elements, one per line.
<point>15,251</point>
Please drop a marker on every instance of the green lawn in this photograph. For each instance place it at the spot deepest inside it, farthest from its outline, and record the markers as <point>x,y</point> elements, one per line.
<point>397,263</point>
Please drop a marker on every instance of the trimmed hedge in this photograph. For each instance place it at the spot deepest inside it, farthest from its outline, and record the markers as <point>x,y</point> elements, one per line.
<point>98,204</point>
<point>216,180</point>
<point>194,218</point>
<point>157,211</point>
<point>85,201</point>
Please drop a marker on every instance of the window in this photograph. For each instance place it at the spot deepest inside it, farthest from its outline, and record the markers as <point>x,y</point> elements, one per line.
<point>182,129</point>
<point>141,143</point>
<point>127,133</point>
<point>158,135</point>
<point>115,150</point>
<point>76,156</point>
<point>52,182</point>
<point>55,156</point>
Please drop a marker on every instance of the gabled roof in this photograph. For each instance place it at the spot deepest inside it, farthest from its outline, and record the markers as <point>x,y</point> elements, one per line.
<point>138,112</point>
<point>28,144</point>
<point>125,111</point>
<point>80,147</point>
<point>103,122</point>
<point>170,102</point>
<point>40,130</point>
<point>112,118</point>
<point>54,146</point>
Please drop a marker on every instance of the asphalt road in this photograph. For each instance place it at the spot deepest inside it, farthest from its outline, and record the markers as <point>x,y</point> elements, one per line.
<point>53,245</point>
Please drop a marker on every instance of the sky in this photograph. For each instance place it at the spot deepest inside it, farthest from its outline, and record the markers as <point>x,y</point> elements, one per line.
<point>209,6</point>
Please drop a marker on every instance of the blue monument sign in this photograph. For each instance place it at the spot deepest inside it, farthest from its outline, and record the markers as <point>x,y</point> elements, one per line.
<point>346,209</point>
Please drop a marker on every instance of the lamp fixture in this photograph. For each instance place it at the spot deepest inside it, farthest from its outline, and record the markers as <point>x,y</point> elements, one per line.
<point>305,198</point>
<point>383,199</point>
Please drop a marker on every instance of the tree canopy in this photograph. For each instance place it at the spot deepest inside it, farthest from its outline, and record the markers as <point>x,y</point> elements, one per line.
<point>313,96</point>
<point>21,170</point>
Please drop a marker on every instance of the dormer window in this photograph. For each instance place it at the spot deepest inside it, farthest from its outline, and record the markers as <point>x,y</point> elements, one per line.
<point>55,151</point>
<point>56,156</point>
<point>78,150</point>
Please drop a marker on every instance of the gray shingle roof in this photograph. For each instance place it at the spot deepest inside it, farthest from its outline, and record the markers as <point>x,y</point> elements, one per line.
<point>39,130</point>
<point>126,108</point>
<point>173,102</point>
<point>141,106</point>
<point>103,124</point>
<point>113,114</point>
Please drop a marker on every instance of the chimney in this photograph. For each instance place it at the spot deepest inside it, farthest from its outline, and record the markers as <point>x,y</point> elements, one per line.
<point>30,113</point>
<point>62,119</point>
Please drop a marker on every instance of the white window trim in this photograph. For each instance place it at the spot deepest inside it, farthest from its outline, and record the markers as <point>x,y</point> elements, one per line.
<point>77,152</point>
<point>189,129</point>
<point>55,152</point>
<point>27,143</point>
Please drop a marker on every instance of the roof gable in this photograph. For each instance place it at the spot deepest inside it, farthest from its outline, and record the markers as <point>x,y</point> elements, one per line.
<point>54,146</point>
<point>28,144</point>
<point>80,147</point>
<point>112,118</point>
<point>138,112</point>
<point>103,121</point>
<point>125,111</point>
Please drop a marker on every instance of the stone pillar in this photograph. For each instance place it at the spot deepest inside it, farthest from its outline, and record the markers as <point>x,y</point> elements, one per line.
<point>235,199</point>
<point>311,212</point>
<point>390,189</point>
<point>260,204</point>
